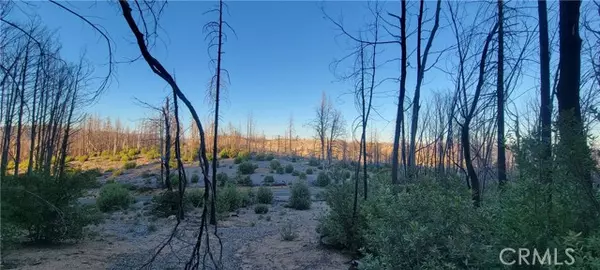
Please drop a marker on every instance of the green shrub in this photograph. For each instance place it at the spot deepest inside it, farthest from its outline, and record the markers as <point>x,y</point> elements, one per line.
<point>248,198</point>
<point>129,165</point>
<point>152,154</point>
<point>196,178</point>
<point>287,232</point>
<point>83,158</point>
<point>129,186</point>
<point>238,160</point>
<point>289,168</point>
<point>125,157</point>
<point>323,180</point>
<point>246,168</point>
<point>280,170</point>
<point>226,153</point>
<point>174,177</point>
<point>113,197</point>
<point>295,173</point>
<point>264,195</point>
<point>269,157</point>
<point>260,157</point>
<point>244,155</point>
<point>117,172</point>
<point>313,162</point>
<point>309,171</point>
<point>167,203</point>
<point>105,153</point>
<point>261,209</point>
<point>222,179</point>
<point>300,196</point>
<point>268,180</point>
<point>274,164</point>
<point>244,180</point>
<point>302,176</point>
<point>45,208</point>
<point>114,158</point>
<point>195,197</point>
<point>229,199</point>
<point>133,152</point>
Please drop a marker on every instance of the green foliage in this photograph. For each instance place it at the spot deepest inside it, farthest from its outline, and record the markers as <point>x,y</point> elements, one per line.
<point>229,199</point>
<point>289,168</point>
<point>117,172</point>
<point>280,170</point>
<point>313,162</point>
<point>244,180</point>
<point>309,171</point>
<point>274,164</point>
<point>152,154</point>
<point>238,160</point>
<point>222,179</point>
<point>261,209</point>
<point>196,178</point>
<point>167,203</point>
<point>248,197</point>
<point>244,155</point>
<point>269,157</point>
<point>300,196</point>
<point>129,165</point>
<point>302,176</point>
<point>323,180</point>
<point>268,180</point>
<point>195,196</point>
<point>295,173</point>
<point>246,168</point>
<point>261,157</point>
<point>227,153</point>
<point>264,195</point>
<point>82,159</point>
<point>112,197</point>
<point>45,208</point>
<point>287,232</point>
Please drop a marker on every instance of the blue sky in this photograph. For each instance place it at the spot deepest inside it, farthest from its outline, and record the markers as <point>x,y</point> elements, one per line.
<point>279,61</point>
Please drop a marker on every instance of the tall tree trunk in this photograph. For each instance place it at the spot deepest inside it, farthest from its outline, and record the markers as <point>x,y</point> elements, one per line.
<point>167,157</point>
<point>500,97</point>
<point>213,216</point>
<point>21,105</point>
<point>400,111</point>
<point>572,133</point>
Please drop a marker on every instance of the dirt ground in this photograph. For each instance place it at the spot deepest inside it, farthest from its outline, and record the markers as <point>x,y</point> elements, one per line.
<point>126,239</point>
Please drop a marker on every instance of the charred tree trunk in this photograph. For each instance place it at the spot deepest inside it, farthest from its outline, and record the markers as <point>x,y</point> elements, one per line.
<point>500,97</point>
<point>400,111</point>
<point>167,158</point>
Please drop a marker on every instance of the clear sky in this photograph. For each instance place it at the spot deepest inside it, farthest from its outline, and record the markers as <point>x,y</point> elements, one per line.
<point>278,59</point>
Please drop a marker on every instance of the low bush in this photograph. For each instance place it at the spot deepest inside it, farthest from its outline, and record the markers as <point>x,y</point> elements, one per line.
<point>228,200</point>
<point>261,209</point>
<point>302,176</point>
<point>196,178</point>
<point>112,197</point>
<point>300,196</point>
<point>222,179</point>
<point>289,168</point>
<point>129,165</point>
<point>244,155</point>
<point>45,209</point>
<point>287,232</point>
<point>117,172</point>
<point>280,170</point>
<point>246,168</point>
<point>195,196</point>
<point>83,158</point>
<point>260,157</point>
<point>295,173</point>
<point>248,198</point>
<point>264,195</point>
<point>167,204</point>
<point>152,154</point>
<point>323,180</point>
<point>238,160</point>
<point>269,157</point>
<point>313,162</point>
<point>268,180</point>
<point>244,180</point>
<point>309,171</point>
<point>274,164</point>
